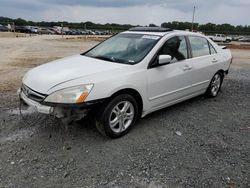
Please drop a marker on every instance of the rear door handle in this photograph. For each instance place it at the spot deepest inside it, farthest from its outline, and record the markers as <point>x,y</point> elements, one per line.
<point>187,67</point>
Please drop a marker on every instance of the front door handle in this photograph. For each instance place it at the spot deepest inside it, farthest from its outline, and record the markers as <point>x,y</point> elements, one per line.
<point>187,67</point>
<point>214,61</point>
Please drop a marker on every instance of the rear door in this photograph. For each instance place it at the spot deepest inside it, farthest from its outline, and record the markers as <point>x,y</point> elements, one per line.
<point>205,60</point>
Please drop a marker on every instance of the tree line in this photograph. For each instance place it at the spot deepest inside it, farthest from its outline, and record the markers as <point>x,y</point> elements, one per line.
<point>209,28</point>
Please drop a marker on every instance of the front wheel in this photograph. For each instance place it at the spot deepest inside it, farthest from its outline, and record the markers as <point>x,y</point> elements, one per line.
<point>215,85</point>
<point>116,119</point>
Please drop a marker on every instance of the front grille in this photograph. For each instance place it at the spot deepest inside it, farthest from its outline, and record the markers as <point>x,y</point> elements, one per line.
<point>33,95</point>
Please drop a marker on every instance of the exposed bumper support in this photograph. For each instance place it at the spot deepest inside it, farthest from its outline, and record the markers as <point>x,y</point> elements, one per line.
<point>39,108</point>
<point>69,113</point>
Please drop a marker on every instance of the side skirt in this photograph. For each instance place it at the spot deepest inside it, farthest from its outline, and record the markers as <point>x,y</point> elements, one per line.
<point>173,102</point>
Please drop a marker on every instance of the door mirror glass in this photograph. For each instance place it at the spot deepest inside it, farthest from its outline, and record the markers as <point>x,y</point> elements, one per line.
<point>164,59</point>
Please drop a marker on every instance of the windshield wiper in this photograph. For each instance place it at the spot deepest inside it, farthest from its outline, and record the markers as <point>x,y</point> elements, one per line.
<point>112,59</point>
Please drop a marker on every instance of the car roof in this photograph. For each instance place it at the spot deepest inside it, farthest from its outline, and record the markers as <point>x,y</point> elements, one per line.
<point>158,31</point>
<point>150,29</point>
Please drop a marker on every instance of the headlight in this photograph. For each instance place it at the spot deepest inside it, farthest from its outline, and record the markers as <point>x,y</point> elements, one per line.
<point>70,95</point>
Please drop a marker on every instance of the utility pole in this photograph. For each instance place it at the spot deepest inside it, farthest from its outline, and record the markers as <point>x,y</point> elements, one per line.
<point>85,29</point>
<point>62,30</point>
<point>193,19</point>
<point>14,27</point>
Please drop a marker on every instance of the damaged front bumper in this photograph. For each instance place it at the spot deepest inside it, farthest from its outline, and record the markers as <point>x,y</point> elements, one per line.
<point>62,111</point>
<point>37,106</point>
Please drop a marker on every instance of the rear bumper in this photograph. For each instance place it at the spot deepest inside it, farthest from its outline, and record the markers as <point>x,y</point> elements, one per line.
<point>37,106</point>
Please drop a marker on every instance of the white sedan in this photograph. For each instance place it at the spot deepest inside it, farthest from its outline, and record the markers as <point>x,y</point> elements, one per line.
<point>128,76</point>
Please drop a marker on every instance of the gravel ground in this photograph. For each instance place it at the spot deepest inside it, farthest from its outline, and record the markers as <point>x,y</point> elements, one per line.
<point>213,149</point>
<point>198,143</point>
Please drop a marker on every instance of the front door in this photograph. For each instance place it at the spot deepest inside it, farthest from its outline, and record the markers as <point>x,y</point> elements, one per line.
<point>172,81</point>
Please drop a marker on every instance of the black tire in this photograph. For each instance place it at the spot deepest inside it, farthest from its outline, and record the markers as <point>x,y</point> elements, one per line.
<point>105,113</point>
<point>214,88</point>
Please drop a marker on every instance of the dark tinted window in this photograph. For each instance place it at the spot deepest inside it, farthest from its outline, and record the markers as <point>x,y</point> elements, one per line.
<point>176,47</point>
<point>199,46</point>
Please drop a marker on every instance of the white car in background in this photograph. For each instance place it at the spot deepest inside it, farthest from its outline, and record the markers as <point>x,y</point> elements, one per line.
<point>127,77</point>
<point>220,38</point>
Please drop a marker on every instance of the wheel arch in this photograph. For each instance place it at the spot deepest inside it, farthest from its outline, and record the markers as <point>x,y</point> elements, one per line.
<point>134,93</point>
<point>222,72</point>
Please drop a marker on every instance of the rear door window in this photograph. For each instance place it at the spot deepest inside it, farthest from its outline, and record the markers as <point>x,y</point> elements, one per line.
<point>199,46</point>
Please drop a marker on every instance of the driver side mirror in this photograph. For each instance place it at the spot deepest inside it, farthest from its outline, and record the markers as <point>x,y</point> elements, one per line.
<point>164,59</point>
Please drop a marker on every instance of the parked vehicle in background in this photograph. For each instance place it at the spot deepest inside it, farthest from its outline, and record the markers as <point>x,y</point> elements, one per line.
<point>34,29</point>
<point>22,29</point>
<point>236,37</point>
<point>71,32</point>
<point>85,33</point>
<point>90,32</point>
<point>127,77</point>
<point>78,32</point>
<point>244,39</point>
<point>100,32</point>
<point>3,28</point>
<point>46,31</point>
<point>58,30</point>
<point>68,32</point>
<point>220,38</point>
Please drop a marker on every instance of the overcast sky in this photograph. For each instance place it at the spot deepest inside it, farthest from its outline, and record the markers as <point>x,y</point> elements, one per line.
<point>141,12</point>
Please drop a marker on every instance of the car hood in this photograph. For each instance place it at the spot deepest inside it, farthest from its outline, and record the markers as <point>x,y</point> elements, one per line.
<point>49,75</point>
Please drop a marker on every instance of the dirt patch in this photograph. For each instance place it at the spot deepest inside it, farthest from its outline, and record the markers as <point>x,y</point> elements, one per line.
<point>241,58</point>
<point>30,62</point>
<point>13,35</point>
<point>82,38</point>
<point>18,55</point>
<point>238,46</point>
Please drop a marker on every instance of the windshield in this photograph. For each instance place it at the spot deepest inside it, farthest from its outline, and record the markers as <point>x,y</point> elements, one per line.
<point>124,48</point>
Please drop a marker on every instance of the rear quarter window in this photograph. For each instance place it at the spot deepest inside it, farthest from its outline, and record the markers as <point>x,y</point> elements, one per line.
<point>212,49</point>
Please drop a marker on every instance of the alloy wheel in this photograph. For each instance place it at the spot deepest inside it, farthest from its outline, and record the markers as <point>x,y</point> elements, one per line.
<point>215,85</point>
<point>121,116</point>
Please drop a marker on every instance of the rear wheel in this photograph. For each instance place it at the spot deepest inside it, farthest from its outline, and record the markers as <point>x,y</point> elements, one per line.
<point>118,116</point>
<point>215,85</point>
